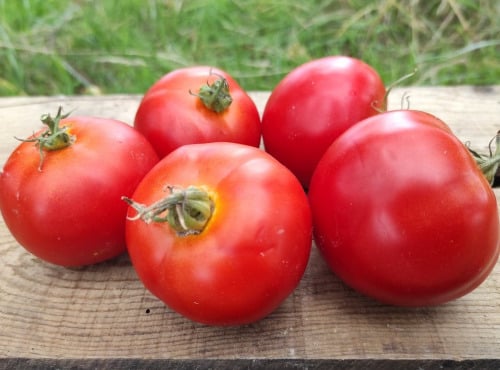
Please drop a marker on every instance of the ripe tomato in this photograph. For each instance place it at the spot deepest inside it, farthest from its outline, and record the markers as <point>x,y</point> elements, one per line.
<point>402,213</point>
<point>237,237</point>
<point>172,113</point>
<point>313,105</point>
<point>64,205</point>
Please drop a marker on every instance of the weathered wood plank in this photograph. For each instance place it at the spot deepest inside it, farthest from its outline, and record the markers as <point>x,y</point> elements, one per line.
<point>103,312</point>
<point>244,364</point>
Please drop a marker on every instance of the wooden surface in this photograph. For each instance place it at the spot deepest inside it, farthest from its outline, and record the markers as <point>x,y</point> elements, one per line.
<point>102,317</point>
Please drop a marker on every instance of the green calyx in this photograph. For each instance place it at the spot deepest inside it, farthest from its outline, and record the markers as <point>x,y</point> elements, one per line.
<point>54,137</point>
<point>215,96</point>
<point>489,163</point>
<point>187,211</point>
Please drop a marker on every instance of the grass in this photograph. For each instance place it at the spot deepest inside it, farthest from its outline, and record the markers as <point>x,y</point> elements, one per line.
<point>106,46</point>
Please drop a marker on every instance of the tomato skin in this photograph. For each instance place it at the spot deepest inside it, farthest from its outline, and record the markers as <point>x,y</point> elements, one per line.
<point>313,105</point>
<point>402,213</point>
<point>254,249</point>
<point>170,115</point>
<point>70,213</point>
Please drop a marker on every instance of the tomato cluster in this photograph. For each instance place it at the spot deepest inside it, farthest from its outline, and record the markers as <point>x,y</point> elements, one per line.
<point>221,230</point>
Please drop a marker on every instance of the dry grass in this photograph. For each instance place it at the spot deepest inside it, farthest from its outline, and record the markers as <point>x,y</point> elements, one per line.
<point>89,46</point>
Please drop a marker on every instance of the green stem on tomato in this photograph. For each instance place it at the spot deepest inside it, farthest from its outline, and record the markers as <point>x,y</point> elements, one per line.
<point>187,210</point>
<point>489,164</point>
<point>394,84</point>
<point>215,96</point>
<point>54,137</point>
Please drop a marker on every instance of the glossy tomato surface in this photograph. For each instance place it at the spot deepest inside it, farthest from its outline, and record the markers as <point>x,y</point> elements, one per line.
<point>171,114</point>
<point>252,253</point>
<point>313,105</point>
<point>69,210</point>
<point>402,213</point>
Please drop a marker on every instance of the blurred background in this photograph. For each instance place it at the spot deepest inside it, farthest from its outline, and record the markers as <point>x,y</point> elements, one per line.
<point>116,47</point>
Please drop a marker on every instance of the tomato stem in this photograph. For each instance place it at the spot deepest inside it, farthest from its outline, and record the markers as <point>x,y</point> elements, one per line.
<point>489,164</point>
<point>394,84</point>
<point>187,211</point>
<point>54,137</point>
<point>216,96</point>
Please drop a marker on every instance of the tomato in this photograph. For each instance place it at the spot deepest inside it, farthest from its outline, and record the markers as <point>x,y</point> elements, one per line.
<point>172,112</point>
<point>236,237</point>
<point>64,204</point>
<point>402,213</point>
<point>313,105</point>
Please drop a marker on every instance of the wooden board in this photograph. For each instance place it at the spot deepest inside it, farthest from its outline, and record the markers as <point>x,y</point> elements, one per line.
<point>101,316</point>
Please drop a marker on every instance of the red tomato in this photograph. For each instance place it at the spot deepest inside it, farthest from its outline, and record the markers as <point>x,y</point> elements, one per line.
<point>313,105</point>
<point>67,209</point>
<point>402,213</point>
<point>251,242</point>
<point>172,114</point>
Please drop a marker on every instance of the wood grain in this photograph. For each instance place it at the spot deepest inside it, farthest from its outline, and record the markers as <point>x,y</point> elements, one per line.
<point>102,312</point>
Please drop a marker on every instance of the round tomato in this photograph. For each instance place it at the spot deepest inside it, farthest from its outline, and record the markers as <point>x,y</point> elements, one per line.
<point>60,190</point>
<point>197,105</point>
<point>221,232</point>
<point>402,213</point>
<point>313,105</point>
